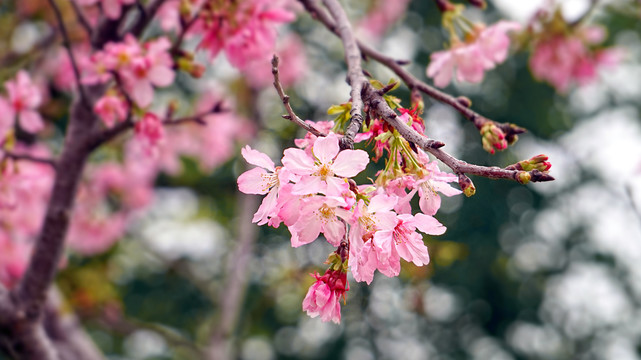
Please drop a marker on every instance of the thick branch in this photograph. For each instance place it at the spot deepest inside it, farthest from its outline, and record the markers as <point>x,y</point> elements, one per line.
<point>355,77</point>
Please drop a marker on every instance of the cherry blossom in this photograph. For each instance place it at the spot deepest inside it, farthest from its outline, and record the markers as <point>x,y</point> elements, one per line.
<point>259,181</point>
<point>318,171</point>
<point>434,182</point>
<point>470,60</point>
<point>566,58</point>
<point>149,129</point>
<point>246,31</point>
<point>323,297</point>
<point>318,215</point>
<point>111,108</point>
<point>24,97</point>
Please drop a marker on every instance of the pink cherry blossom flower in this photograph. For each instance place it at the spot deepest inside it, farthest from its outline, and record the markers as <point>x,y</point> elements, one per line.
<point>325,171</point>
<point>318,215</point>
<point>24,97</point>
<point>323,297</point>
<point>154,68</point>
<point>291,53</point>
<point>259,181</point>
<point>567,58</point>
<point>168,15</point>
<point>246,31</point>
<point>111,109</point>
<point>149,129</point>
<point>403,240</point>
<point>92,233</point>
<point>436,181</point>
<point>472,59</point>
<point>366,220</point>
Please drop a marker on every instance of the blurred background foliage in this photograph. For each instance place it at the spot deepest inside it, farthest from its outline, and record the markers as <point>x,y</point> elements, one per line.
<point>544,271</point>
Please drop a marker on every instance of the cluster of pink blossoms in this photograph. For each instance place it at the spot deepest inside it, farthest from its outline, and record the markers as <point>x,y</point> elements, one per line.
<point>244,30</point>
<point>138,67</point>
<point>313,193</point>
<point>572,56</point>
<point>482,51</point>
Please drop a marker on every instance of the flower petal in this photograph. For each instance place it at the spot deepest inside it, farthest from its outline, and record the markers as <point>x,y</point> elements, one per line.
<point>326,148</point>
<point>257,158</point>
<point>349,163</point>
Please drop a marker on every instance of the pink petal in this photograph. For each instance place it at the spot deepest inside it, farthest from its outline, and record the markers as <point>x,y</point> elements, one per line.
<point>298,162</point>
<point>142,93</point>
<point>257,158</point>
<point>326,148</point>
<point>266,208</point>
<point>382,202</point>
<point>429,224</point>
<point>161,76</point>
<point>334,231</point>
<point>305,230</point>
<point>349,163</point>
<point>30,121</point>
<point>429,201</point>
<point>255,181</point>
<point>309,185</point>
<point>111,8</point>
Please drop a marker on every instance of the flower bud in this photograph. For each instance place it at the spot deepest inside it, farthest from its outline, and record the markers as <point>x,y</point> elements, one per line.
<point>523,177</point>
<point>535,163</point>
<point>464,100</point>
<point>467,186</point>
<point>189,66</point>
<point>492,138</point>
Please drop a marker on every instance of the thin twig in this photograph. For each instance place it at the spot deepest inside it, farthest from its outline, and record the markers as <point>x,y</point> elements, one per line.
<point>37,159</point>
<point>81,18</point>
<point>292,116</point>
<point>67,43</point>
<point>146,15</point>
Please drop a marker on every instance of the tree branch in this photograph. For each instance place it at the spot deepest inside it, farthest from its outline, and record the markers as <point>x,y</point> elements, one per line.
<point>355,77</point>
<point>460,104</point>
<point>27,157</point>
<point>66,332</point>
<point>375,101</point>
<point>285,99</point>
<point>232,298</point>
<point>72,57</point>
<point>146,15</point>
<point>81,18</point>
